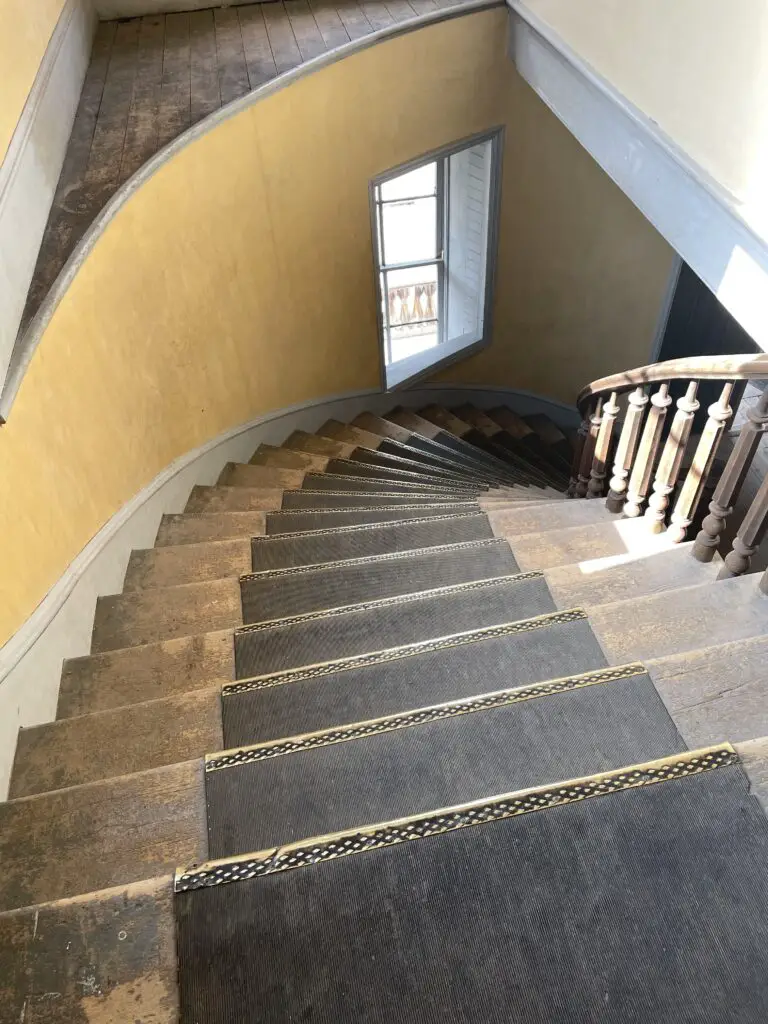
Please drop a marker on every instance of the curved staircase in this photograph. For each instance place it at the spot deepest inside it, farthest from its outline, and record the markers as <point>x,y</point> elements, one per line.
<point>255,802</point>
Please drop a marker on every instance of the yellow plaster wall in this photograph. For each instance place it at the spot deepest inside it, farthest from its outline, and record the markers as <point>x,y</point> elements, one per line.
<point>238,280</point>
<point>26,27</point>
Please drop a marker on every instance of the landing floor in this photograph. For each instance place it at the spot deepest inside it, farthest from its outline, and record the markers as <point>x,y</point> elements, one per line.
<point>151,78</point>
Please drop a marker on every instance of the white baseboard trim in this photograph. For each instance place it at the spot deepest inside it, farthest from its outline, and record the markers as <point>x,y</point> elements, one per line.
<point>696,215</point>
<point>30,170</point>
<point>61,626</point>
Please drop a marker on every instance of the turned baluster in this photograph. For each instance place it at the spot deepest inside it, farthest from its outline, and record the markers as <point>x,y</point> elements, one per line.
<point>588,452</point>
<point>602,446</point>
<point>750,536</point>
<point>625,451</point>
<point>690,494</point>
<point>640,480</point>
<point>672,459</point>
<point>732,480</point>
<point>581,437</point>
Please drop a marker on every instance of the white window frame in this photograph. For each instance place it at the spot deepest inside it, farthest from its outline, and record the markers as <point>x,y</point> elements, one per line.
<point>423,364</point>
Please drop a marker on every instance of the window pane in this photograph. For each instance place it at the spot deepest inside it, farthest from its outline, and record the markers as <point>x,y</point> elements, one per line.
<point>410,230</point>
<point>469,192</point>
<point>412,302</point>
<point>421,182</point>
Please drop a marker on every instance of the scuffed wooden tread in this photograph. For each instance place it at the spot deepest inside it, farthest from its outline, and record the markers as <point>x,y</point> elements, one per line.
<point>199,527</point>
<point>174,565</point>
<point>132,675</point>
<point>233,499</point>
<point>284,458</point>
<point>164,613</point>
<point>106,957</point>
<point>73,841</point>
<point>124,741</point>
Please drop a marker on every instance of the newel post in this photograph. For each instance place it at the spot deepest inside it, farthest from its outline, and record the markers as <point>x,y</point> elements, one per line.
<point>732,480</point>
<point>602,446</point>
<point>625,451</point>
<point>695,481</point>
<point>588,452</point>
<point>646,455</point>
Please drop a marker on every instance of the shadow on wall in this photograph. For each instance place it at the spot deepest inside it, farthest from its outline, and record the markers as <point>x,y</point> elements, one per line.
<point>238,279</point>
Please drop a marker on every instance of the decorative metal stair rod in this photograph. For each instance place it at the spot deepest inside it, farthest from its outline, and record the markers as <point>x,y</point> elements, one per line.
<point>732,480</point>
<point>625,451</point>
<point>672,459</point>
<point>602,447</point>
<point>640,479</point>
<point>588,452</point>
<point>749,538</point>
<point>706,450</point>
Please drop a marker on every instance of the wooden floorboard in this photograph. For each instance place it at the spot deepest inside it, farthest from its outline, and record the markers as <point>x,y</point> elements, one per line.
<point>152,77</point>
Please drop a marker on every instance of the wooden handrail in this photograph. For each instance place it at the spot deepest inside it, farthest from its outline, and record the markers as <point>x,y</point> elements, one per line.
<point>743,367</point>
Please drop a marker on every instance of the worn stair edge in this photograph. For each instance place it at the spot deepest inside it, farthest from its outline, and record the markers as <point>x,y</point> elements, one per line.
<point>187,563</point>
<point>112,832</point>
<point>215,499</point>
<point>132,675</point>
<point>165,613</point>
<point>198,527</point>
<point>236,474</point>
<point>105,957</point>
<point>682,620</point>
<point>284,458</point>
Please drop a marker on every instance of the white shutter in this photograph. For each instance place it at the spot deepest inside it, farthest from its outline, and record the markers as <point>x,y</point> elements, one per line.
<point>469,188</point>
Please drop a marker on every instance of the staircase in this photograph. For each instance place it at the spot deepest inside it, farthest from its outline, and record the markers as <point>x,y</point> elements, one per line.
<point>386,728</point>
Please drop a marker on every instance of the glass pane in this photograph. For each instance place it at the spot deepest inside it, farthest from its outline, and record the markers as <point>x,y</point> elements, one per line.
<point>412,302</point>
<point>410,231</point>
<point>420,182</point>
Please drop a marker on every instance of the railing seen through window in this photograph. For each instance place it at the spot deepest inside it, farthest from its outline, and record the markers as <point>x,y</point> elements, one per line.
<point>435,226</point>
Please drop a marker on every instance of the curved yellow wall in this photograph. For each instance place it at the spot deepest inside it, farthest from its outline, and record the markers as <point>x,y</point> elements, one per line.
<point>26,27</point>
<point>238,280</point>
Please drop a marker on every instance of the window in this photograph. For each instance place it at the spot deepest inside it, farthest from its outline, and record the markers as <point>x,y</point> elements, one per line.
<point>435,228</point>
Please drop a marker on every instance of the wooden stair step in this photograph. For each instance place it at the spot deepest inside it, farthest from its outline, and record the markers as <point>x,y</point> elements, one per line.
<point>301,441</point>
<point>349,434</point>
<point>237,474</point>
<point>132,675</point>
<point>284,458</point>
<point>102,834</point>
<point>187,563</point>
<point>198,527</point>
<point>514,522</point>
<point>164,613</point>
<point>107,957</point>
<point>233,499</point>
<point>124,741</point>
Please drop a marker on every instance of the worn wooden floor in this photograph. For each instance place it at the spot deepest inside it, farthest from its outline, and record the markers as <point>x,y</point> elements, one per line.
<point>151,78</point>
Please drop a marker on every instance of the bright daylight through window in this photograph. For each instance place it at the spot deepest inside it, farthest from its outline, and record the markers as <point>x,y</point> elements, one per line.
<point>435,229</point>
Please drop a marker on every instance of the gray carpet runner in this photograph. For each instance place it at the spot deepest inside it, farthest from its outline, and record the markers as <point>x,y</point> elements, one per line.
<point>468,452</point>
<point>446,459</point>
<point>316,588</point>
<point>358,541</point>
<point>434,478</point>
<point>388,622</point>
<point>463,455</point>
<point>337,482</point>
<point>362,498</point>
<point>293,520</point>
<point>389,681</point>
<point>608,901</point>
<point>262,796</point>
<point>383,460</point>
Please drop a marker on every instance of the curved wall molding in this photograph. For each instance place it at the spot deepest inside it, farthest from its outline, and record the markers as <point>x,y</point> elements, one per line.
<point>30,169</point>
<point>27,343</point>
<point>60,627</point>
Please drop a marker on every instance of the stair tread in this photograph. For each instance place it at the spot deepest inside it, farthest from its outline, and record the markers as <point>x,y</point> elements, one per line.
<point>197,527</point>
<point>233,499</point>
<point>388,622</point>
<point>591,545</point>
<point>430,672</point>
<point>101,834</point>
<point>655,847</point>
<point>258,797</point>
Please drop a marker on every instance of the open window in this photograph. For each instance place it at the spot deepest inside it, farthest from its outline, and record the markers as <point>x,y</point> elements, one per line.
<point>435,234</point>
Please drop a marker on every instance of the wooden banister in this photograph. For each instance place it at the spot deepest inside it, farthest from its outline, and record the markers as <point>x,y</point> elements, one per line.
<point>602,447</point>
<point>588,451</point>
<point>625,452</point>
<point>640,480</point>
<point>725,368</point>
